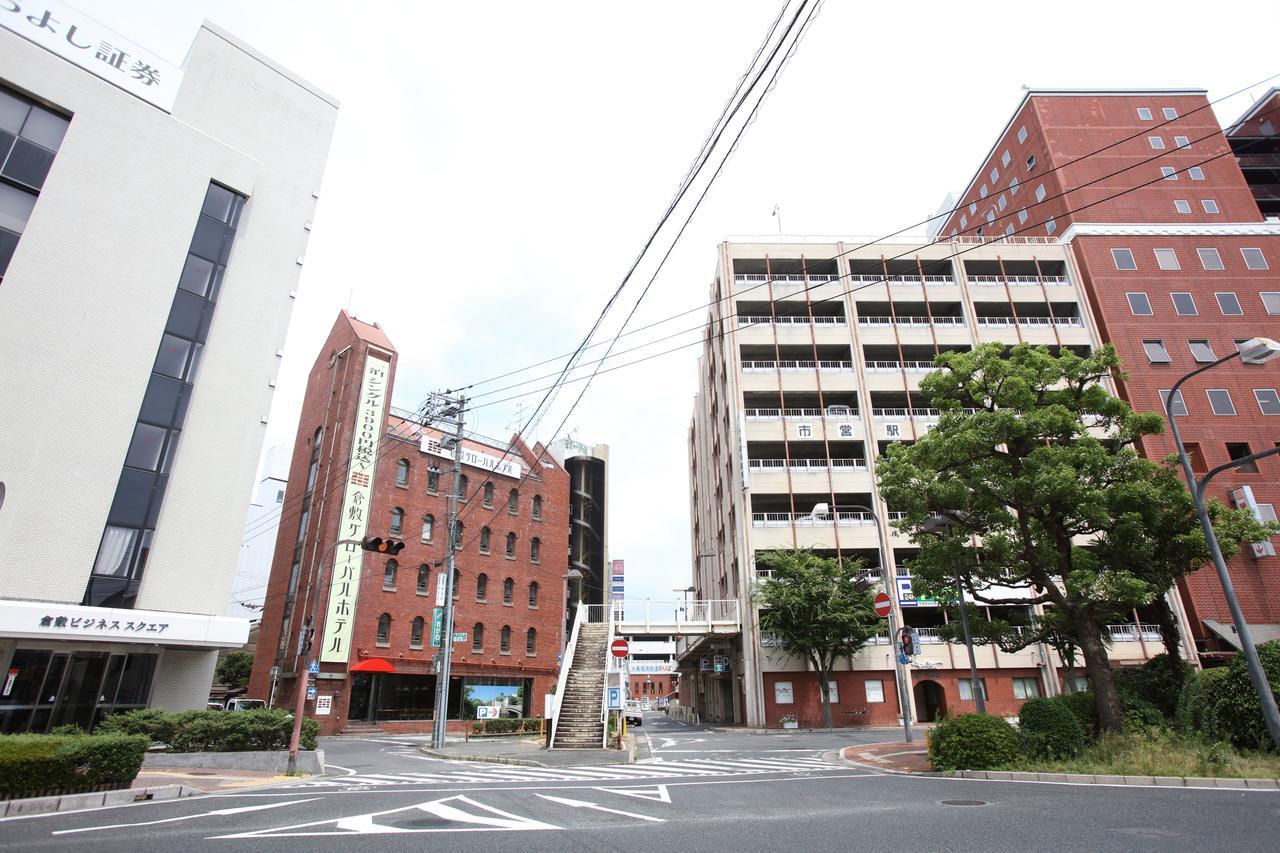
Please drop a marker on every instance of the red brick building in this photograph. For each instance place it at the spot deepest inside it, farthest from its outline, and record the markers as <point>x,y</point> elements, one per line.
<point>1180,265</point>
<point>509,588</point>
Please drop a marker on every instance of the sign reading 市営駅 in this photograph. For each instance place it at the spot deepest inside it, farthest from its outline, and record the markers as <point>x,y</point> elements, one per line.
<point>345,584</point>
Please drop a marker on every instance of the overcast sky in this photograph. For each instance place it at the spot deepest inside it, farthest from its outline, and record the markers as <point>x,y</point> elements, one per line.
<point>496,166</point>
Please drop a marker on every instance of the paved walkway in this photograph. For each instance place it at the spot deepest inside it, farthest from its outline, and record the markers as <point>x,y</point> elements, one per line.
<point>894,755</point>
<point>209,781</point>
<point>528,750</point>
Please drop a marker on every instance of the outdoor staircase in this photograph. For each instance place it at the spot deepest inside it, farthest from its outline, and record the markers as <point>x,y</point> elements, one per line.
<point>579,725</point>
<point>361,727</point>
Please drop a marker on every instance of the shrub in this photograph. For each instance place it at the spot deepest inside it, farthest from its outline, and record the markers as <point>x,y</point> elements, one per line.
<point>31,765</point>
<point>1158,683</point>
<point>1196,714</point>
<point>215,731</point>
<point>1082,707</point>
<point>1049,729</point>
<point>973,742</point>
<point>1236,708</point>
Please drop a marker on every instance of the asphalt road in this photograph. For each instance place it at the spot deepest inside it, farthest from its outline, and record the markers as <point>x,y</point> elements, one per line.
<point>698,790</point>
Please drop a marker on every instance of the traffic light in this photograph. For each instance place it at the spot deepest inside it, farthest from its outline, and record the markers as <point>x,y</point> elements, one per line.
<point>378,545</point>
<point>908,648</point>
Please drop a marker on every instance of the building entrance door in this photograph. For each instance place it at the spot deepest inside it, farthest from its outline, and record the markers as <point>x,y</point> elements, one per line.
<point>930,700</point>
<point>361,694</point>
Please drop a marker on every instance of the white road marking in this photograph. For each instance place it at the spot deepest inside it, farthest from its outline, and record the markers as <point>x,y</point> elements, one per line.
<point>366,824</point>
<point>658,793</point>
<point>583,804</point>
<point>350,772</point>
<point>216,813</point>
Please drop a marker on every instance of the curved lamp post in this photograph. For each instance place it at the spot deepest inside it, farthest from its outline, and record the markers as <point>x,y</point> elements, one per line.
<point>936,525</point>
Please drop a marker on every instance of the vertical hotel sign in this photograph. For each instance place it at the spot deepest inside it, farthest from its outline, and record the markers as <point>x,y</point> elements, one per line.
<point>345,583</point>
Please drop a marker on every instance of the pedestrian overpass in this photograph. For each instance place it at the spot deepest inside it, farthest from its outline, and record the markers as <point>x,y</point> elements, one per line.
<point>636,617</point>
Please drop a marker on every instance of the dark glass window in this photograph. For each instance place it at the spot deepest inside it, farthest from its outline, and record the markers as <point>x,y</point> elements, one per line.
<point>147,447</point>
<point>384,628</point>
<point>28,164</point>
<point>504,639</point>
<point>165,403</point>
<point>212,240</point>
<point>174,355</point>
<point>424,575</point>
<point>415,633</point>
<point>508,590</point>
<point>482,586</point>
<point>533,594</point>
<point>189,317</point>
<point>29,139</point>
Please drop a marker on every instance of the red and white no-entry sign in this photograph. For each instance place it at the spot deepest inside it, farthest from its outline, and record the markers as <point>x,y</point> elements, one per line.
<point>620,648</point>
<point>882,604</point>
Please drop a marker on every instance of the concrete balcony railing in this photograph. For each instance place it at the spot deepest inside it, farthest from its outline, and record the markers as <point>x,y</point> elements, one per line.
<point>877,320</point>
<point>807,465</point>
<point>796,366</point>
<point>1030,321</point>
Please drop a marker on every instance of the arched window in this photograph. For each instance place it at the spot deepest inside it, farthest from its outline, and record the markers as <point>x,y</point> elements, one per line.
<point>457,535</point>
<point>504,640</point>
<point>533,594</point>
<point>389,575</point>
<point>384,629</point>
<point>428,527</point>
<point>477,637</point>
<point>415,633</point>
<point>508,590</point>
<point>511,546</point>
<point>535,549</point>
<point>457,582</point>
<point>313,466</point>
<point>462,487</point>
<point>485,534</point>
<point>402,473</point>
<point>488,494</point>
<point>424,575</point>
<point>513,501</point>
<point>537,507</point>
<point>397,521</point>
<point>531,642</point>
<point>482,586</point>
<point>433,480</point>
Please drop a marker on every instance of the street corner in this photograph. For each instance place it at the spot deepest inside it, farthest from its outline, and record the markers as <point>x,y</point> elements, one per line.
<point>893,757</point>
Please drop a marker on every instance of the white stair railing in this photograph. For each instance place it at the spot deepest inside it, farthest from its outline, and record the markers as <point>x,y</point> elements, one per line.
<point>604,688</point>
<point>565,665</point>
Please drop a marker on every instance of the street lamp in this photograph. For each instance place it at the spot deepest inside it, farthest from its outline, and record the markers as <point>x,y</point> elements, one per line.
<point>1252,351</point>
<point>935,524</point>
<point>903,679</point>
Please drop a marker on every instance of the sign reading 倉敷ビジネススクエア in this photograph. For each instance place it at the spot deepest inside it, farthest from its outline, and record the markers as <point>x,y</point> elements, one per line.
<point>345,583</point>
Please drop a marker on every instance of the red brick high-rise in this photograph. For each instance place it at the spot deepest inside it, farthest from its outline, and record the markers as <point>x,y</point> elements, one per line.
<point>509,591</point>
<point>1180,264</point>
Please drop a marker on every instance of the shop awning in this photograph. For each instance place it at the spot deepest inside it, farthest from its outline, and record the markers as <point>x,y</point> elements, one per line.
<point>373,665</point>
<point>1260,631</point>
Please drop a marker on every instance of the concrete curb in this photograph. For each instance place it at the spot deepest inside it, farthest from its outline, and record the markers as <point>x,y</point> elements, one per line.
<point>77,802</point>
<point>734,730</point>
<point>484,759</point>
<point>266,761</point>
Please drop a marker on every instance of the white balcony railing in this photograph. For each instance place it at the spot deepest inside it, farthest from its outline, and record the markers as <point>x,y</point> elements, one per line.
<point>1132,633</point>
<point>804,519</point>
<point>793,280</point>
<point>843,414</point>
<point>1029,321</point>
<point>796,366</point>
<point>880,320</point>
<point>807,465</point>
<point>789,320</point>
<point>893,366</point>
<point>892,414</point>
<point>901,279</point>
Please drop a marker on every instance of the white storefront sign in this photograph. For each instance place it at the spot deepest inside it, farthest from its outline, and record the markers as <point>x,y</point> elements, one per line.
<point>345,584</point>
<point>652,667</point>
<point>102,52</point>
<point>41,620</point>
<point>324,706</point>
<point>782,693</point>
<point>507,467</point>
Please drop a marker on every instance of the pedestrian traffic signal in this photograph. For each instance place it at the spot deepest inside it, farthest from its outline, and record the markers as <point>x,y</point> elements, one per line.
<point>378,545</point>
<point>908,648</point>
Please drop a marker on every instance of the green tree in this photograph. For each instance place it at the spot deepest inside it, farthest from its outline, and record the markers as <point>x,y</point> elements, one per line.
<point>233,670</point>
<point>818,609</point>
<point>1037,464</point>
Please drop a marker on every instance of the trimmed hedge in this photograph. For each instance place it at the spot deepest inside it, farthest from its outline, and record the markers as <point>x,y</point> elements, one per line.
<point>40,765</point>
<point>214,731</point>
<point>1049,729</point>
<point>507,725</point>
<point>1221,703</point>
<point>973,742</point>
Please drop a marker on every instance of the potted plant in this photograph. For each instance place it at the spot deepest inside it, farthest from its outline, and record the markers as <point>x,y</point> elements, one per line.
<point>789,721</point>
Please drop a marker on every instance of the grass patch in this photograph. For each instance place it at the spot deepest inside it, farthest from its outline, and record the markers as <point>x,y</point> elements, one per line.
<point>1160,752</point>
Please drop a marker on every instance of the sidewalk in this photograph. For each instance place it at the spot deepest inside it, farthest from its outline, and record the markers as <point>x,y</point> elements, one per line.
<point>896,755</point>
<point>529,751</point>
<point>196,780</point>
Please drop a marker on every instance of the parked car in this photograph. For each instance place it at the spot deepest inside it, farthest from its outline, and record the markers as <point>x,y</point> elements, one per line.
<point>245,704</point>
<point>634,715</point>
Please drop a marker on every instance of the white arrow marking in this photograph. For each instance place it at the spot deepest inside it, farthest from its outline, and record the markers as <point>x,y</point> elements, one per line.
<point>365,824</point>
<point>583,804</point>
<point>218,813</point>
<point>658,793</point>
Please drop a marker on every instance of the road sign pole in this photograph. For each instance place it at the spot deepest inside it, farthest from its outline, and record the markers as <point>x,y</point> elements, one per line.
<point>445,654</point>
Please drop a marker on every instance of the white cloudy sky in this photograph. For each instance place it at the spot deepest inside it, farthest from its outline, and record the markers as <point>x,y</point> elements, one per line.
<point>497,165</point>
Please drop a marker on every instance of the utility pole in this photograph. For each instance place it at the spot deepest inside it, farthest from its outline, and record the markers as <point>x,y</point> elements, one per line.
<point>445,655</point>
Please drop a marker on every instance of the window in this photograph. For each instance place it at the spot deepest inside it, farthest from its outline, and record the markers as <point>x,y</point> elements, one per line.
<point>1209,259</point>
<point>397,521</point>
<point>1209,205</point>
<point>433,480</point>
<point>1002,202</point>
<point>428,527</point>
<point>1239,450</point>
<point>1184,304</point>
<point>1167,259</point>
<point>1040,193</point>
<point>1008,230</point>
<point>462,487</point>
<point>1178,407</point>
<point>457,582</point>
<point>1004,159</point>
<point>1022,134</point>
<point>280,496</point>
<point>964,221</point>
<point>1229,303</point>
<point>1202,351</point>
<point>991,217</point>
<point>482,587</point>
<point>1139,304</point>
<point>477,637</point>
<point>995,174</point>
<point>1220,401</point>
<point>504,640</point>
<point>1268,400</point>
<point>424,577</point>
<point>531,642</point>
<point>973,207</point>
<point>1013,187</point>
<point>1169,173</point>
<point>513,502</point>
<point>511,546</point>
<point>966,689</point>
<point>1195,173</point>
<point>1254,260</point>
<point>488,494</point>
<point>1181,205</point>
<point>384,629</point>
<point>508,591</point>
<point>457,535</point>
<point>415,632</point>
<point>983,192</point>
<point>1144,113</point>
<point>537,507</point>
<point>1156,142</point>
<point>533,595</point>
<point>1026,688</point>
<point>1181,142</point>
<point>875,689</point>
<point>1050,225</point>
<point>1123,259</point>
<point>389,575</point>
<point>1169,113</point>
<point>535,549</point>
<point>485,535</point>
<point>402,473</point>
<point>1031,162</point>
<point>1156,352</point>
<point>1196,455</point>
<point>1271,301</point>
<point>1022,216</point>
